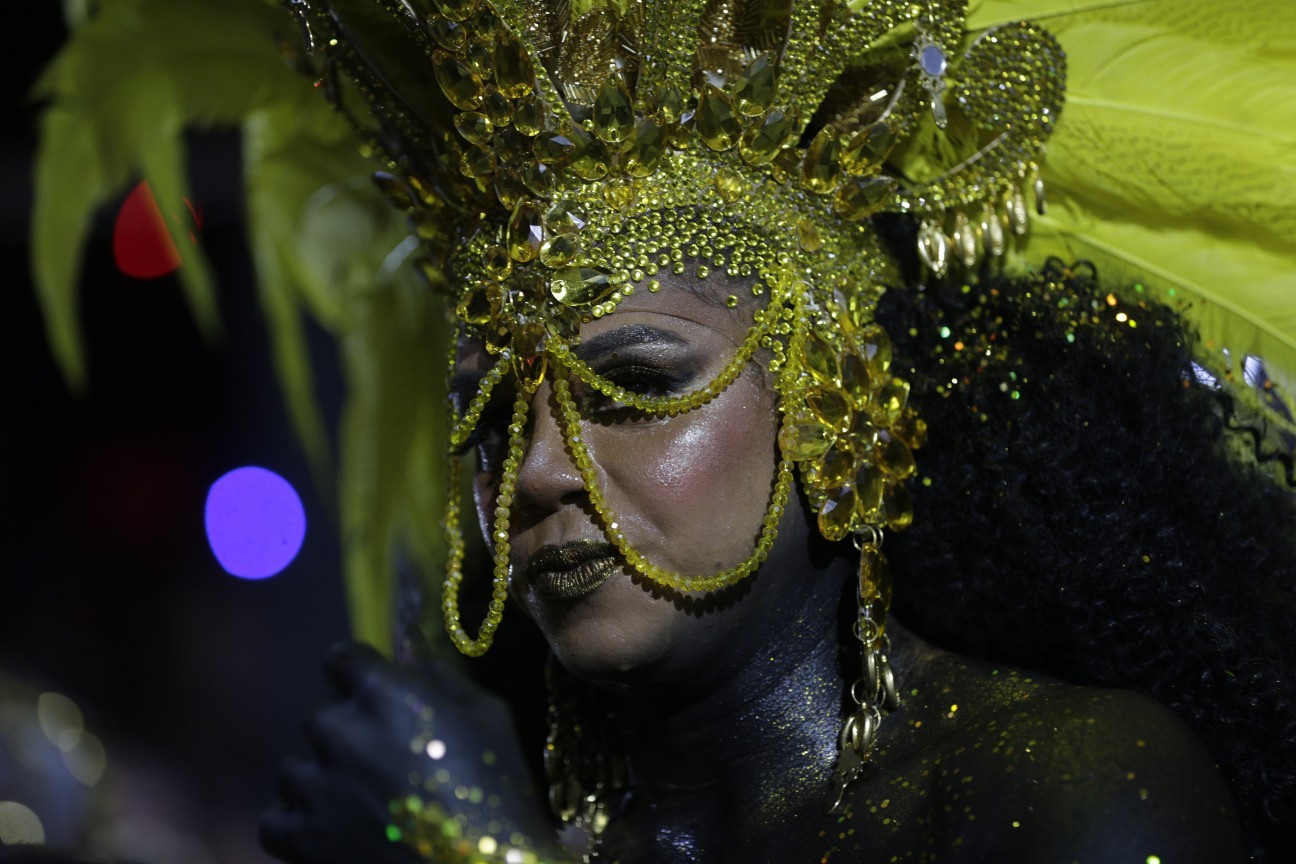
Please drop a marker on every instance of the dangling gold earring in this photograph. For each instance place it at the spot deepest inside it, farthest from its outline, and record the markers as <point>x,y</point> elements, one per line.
<point>874,692</point>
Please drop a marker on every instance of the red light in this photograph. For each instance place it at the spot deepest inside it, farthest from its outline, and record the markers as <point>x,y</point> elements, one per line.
<point>142,246</point>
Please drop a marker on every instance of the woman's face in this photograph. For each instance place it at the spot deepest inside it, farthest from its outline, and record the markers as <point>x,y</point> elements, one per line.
<point>690,492</point>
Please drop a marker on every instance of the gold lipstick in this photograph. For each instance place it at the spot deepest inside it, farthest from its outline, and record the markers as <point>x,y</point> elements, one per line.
<point>571,571</point>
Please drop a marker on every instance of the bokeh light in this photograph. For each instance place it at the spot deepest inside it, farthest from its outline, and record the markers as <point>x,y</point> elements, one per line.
<point>255,522</point>
<point>19,825</point>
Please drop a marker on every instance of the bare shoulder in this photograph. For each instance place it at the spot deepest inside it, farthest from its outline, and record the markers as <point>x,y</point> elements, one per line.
<point>1026,768</point>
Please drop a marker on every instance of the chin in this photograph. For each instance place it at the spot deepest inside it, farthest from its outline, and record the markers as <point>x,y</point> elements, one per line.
<point>615,636</point>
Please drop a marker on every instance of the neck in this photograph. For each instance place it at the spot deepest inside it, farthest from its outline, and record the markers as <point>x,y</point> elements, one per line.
<point>756,738</point>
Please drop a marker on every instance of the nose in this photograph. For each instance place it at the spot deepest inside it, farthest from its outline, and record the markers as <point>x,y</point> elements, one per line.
<point>548,477</point>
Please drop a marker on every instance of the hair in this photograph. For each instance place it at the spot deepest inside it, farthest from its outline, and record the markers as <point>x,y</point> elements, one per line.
<point>1083,511</point>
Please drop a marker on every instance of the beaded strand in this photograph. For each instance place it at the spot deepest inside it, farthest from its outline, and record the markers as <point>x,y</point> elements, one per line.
<point>500,544</point>
<point>464,426</point>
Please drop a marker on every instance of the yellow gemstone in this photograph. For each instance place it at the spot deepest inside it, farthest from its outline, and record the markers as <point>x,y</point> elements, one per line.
<point>476,306</point>
<point>618,194</point>
<point>529,116</point>
<point>497,108</point>
<point>806,440</point>
<point>897,504</point>
<point>808,235</point>
<point>836,513</point>
<point>525,231</point>
<point>479,60</point>
<point>613,112</point>
<point>875,345</point>
<point>475,127</point>
<point>564,218</point>
<point>875,582</point>
<point>529,358</point>
<point>514,74</point>
<point>509,188</point>
<point>457,10</point>
<point>870,483</point>
<point>862,434</point>
<point>461,85</point>
<point>497,262</point>
<point>821,167</point>
<point>646,147</point>
<point>836,467</point>
<point>765,140</point>
<point>580,286</point>
<point>559,250</point>
<point>890,402</point>
<point>717,120</point>
<point>477,163</point>
<point>729,184</point>
<point>864,154</point>
<point>830,406</point>
<point>450,35</point>
<point>861,197</point>
<point>669,104</point>
<point>855,380</point>
<point>754,87</point>
<point>933,248</point>
<point>556,147</point>
<point>821,359</point>
<point>589,159</point>
<point>896,459</point>
<point>540,178</point>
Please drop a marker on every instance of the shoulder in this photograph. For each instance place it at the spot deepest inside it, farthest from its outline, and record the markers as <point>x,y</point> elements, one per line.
<point>1020,767</point>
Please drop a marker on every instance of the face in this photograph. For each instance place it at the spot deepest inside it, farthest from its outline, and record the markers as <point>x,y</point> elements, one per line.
<point>690,492</point>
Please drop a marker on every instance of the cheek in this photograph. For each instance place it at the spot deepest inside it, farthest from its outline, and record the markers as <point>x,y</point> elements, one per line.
<point>698,484</point>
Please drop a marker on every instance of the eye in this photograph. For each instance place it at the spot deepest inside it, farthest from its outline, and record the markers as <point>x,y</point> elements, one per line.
<point>649,380</point>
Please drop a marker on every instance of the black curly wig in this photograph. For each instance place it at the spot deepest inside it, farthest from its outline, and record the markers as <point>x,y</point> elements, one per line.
<point>1080,490</point>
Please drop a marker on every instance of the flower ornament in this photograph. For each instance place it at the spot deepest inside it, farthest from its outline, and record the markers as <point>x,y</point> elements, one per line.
<point>853,438</point>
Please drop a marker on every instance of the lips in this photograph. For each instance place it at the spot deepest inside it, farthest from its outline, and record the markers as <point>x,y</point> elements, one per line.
<point>572,570</point>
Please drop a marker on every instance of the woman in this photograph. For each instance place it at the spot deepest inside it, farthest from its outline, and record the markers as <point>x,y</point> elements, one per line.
<point>665,235</point>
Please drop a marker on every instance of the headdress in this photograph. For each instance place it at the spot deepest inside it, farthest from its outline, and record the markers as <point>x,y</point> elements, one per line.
<point>554,159</point>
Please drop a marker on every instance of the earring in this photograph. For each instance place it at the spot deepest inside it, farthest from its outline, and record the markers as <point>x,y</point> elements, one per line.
<point>874,692</point>
<point>583,762</point>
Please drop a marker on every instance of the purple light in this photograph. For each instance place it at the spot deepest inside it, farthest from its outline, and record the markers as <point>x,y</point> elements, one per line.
<point>255,522</point>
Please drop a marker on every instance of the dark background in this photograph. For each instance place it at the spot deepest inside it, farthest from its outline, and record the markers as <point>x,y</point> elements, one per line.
<point>193,680</point>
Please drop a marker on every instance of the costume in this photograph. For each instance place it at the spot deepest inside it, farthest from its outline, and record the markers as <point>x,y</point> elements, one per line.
<point>554,160</point>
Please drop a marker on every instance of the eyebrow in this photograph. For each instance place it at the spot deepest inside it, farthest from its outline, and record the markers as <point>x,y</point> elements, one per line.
<point>628,336</point>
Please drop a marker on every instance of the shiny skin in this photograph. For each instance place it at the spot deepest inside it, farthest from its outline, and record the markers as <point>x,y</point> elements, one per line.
<point>729,705</point>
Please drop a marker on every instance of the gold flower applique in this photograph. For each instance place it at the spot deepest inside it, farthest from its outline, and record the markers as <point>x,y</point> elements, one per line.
<point>854,438</point>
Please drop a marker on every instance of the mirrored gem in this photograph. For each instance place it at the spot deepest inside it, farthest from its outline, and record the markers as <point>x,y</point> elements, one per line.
<point>668,104</point>
<point>618,194</point>
<point>933,248</point>
<point>496,262</point>
<point>589,159</point>
<point>563,217</point>
<point>897,506</point>
<point>804,440</point>
<point>580,286</point>
<point>613,112</point>
<point>821,167</point>
<point>861,197</point>
<point>966,243</point>
<point>821,359</point>
<point>457,10</point>
<point>729,184</point>
<point>836,513</point>
<point>717,120</point>
<point>836,466</point>
<point>509,188</point>
<point>479,303</point>
<point>808,236</point>
<point>529,116</point>
<point>540,178</point>
<point>875,345</point>
<point>478,58</point>
<point>766,139</point>
<point>514,74</point>
<point>754,87</point>
<point>865,153</point>
<point>529,358</point>
<point>646,148</point>
<point>461,85</point>
<point>855,380</point>
<point>450,35</point>
<point>559,250</point>
<point>890,402</point>
<point>911,429</point>
<point>525,231</point>
<point>555,147</point>
<point>876,581</point>
<point>477,163</point>
<point>895,457</point>
<point>475,127</point>
<point>829,405</point>
<point>497,108</point>
<point>870,483</point>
